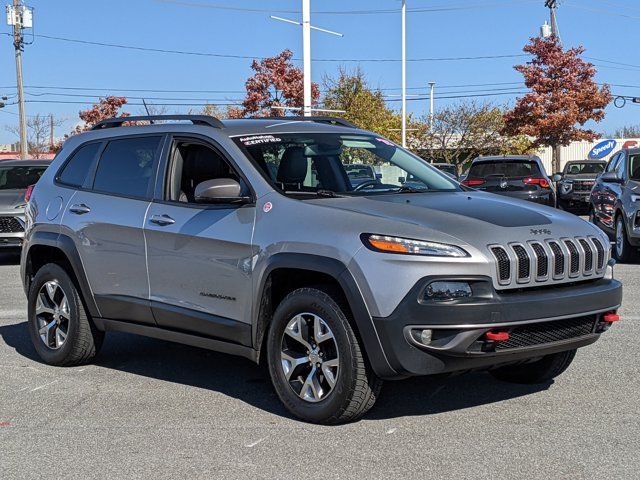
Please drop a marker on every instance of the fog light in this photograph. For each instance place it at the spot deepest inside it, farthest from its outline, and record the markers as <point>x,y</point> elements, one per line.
<point>447,290</point>
<point>425,337</point>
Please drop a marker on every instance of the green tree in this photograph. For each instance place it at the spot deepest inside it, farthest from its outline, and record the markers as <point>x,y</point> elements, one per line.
<point>363,105</point>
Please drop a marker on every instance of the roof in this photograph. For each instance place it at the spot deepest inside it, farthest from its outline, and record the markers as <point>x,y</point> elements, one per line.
<point>588,160</point>
<point>266,126</point>
<point>15,162</point>
<point>510,158</point>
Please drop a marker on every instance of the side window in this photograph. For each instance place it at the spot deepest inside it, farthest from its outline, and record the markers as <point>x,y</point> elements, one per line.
<point>634,167</point>
<point>76,169</point>
<point>192,163</point>
<point>612,163</point>
<point>621,167</point>
<point>126,167</point>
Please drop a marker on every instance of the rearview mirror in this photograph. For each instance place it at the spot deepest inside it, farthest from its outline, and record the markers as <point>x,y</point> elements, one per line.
<point>220,190</point>
<point>611,177</point>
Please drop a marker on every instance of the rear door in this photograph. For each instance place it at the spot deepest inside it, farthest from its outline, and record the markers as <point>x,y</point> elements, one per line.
<point>199,255</point>
<point>105,218</point>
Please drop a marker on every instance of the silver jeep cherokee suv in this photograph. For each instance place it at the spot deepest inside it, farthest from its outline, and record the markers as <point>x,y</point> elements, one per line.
<point>247,237</point>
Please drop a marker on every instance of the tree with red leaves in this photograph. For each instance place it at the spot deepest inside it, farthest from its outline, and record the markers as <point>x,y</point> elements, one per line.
<point>563,97</point>
<point>276,82</point>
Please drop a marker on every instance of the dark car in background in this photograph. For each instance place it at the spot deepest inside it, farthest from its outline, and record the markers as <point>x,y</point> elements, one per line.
<point>575,184</point>
<point>516,176</point>
<point>16,176</point>
<point>447,168</point>
<point>359,174</point>
<point>615,203</point>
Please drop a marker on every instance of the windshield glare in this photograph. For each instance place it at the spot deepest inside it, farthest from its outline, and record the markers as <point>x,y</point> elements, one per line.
<point>19,178</point>
<point>304,164</point>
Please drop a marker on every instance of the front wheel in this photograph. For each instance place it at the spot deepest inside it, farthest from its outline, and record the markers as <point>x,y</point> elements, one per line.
<point>540,371</point>
<point>316,363</point>
<point>625,252</point>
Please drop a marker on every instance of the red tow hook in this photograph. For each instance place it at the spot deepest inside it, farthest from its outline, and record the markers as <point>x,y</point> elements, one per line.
<point>497,336</point>
<point>610,317</point>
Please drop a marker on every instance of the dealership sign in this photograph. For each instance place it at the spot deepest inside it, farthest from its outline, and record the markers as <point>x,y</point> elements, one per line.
<point>602,149</point>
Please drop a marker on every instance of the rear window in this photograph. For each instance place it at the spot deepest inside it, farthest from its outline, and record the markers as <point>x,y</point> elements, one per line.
<point>584,168</point>
<point>19,178</point>
<point>77,167</point>
<point>504,169</point>
<point>126,167</point>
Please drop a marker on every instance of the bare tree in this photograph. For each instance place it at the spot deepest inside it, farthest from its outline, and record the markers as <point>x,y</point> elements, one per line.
<point>38,134</point>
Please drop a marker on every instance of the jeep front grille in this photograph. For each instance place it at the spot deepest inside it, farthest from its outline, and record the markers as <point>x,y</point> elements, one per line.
<point>10,225</point>
<point>549,261</point>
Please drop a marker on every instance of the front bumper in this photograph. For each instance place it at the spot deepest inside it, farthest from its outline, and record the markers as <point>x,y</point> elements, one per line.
<point>11,231</point>
<point>540,321</point>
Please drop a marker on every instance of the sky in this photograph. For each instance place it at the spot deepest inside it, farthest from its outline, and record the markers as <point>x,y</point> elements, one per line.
<point>436,29</point>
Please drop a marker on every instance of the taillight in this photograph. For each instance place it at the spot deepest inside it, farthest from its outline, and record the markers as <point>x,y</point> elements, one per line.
<point>542,182</point>
<point>28,192</point>
<point>473,183</point>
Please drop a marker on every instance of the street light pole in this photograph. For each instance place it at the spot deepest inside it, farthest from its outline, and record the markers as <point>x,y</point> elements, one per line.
<point>431,110</point>
<point>306,49</point>
<point>404,74</point>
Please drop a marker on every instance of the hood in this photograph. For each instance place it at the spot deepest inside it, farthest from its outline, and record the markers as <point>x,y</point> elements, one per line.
<point>9,200</point>
<point>474,218</point>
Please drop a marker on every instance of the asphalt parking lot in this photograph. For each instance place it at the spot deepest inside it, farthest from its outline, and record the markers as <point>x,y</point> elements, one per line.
<point>153,409</point>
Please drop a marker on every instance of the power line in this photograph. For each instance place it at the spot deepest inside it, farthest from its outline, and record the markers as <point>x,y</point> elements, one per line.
<point>252,57</point>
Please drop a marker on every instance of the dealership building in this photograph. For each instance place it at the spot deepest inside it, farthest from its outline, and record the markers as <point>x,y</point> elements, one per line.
<point>601,149</point>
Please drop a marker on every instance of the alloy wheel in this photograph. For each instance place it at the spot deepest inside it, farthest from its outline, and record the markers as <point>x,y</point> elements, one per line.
<point>619,238</point>
<point>52,315</point>
<point>309,357</point>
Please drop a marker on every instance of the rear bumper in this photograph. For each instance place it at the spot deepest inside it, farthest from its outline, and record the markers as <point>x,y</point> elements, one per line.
<point>539,321</point>
<point>546,197</point>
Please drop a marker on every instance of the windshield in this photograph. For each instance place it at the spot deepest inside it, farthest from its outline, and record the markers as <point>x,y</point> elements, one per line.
<point>312,164</point>
<point>501,168</point>
<point>18,177</point>
<point>580,168</point>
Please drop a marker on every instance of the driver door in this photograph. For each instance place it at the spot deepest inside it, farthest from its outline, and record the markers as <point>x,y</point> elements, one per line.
<point>199,255</point>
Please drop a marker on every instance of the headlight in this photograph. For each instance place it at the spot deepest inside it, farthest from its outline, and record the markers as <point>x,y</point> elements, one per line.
<point>407,246</point>
<point>566,187</point>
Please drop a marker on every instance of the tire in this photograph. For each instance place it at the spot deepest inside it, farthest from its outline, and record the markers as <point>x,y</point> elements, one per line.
<point>623,250</point>
<point>82,341</point>
<point>540,371</point>
<point>355,388</point>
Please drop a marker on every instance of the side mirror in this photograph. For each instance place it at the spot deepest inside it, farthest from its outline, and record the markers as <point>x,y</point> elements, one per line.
<point>556,177</point>
<point>402,179</point>
<point>611,177</point>
<point>220,190</point>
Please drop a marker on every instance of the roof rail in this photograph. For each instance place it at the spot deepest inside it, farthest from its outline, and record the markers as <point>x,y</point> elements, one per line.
<point>206,120</point>
<point>313,118</point>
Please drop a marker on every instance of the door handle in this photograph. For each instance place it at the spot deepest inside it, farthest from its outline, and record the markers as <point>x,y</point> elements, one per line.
<point>162,220</point>
<point>79,209</point>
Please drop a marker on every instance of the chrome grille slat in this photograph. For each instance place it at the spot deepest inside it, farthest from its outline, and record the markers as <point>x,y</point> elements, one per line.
<point>549,261</point>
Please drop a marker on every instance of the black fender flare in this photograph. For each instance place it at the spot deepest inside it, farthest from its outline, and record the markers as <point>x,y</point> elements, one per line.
<point>339,271</point>
<point>65,244</point>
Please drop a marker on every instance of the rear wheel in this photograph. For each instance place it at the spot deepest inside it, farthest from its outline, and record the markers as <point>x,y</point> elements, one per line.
<point>60,329</point>
<point>540,371</point>
<point>625,252</point>
<point>316,363</point>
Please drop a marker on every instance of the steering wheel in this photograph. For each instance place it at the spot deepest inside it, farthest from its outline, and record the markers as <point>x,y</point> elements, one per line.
<point>368,183</point>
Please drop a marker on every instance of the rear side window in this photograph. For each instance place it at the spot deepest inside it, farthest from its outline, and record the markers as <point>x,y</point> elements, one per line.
<point>504,169</point>
<point>77,167</point>
<point>126,167</point>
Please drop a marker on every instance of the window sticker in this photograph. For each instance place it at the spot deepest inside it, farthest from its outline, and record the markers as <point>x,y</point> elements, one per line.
<point>259,140</point>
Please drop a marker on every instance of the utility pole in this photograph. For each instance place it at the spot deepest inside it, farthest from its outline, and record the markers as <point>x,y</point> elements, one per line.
<point>20,17</point>
<point>404,74</point>
<point>431,110</point>
<point>307,108</point>
<point>552,5</point>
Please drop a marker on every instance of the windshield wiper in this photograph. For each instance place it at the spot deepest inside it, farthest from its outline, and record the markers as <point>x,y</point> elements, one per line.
<point>408,189</point>
<point>327,193</point>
